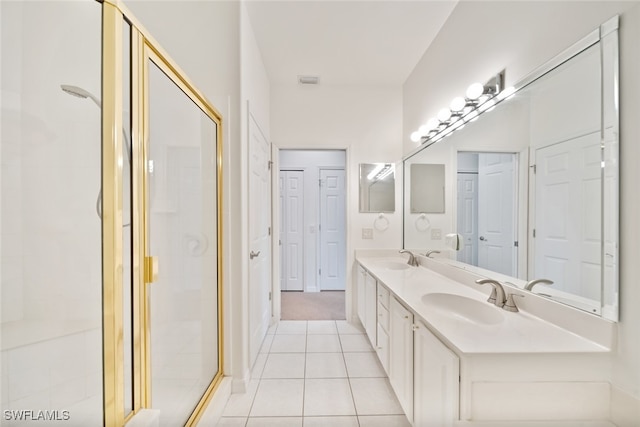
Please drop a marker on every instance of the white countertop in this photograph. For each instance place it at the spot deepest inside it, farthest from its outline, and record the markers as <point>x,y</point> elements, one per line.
<point>519,332</point>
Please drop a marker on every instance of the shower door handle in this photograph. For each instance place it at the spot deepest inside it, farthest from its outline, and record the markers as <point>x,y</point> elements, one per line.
<point>150,269</point>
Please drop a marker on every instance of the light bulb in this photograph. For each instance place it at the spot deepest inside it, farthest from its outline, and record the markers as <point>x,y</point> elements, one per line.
<point>458,104</point>
<point>423,130</point>
<point>444,114</point>
<point>475,90</point>
<point>415,137</point>
<point>433,123</point>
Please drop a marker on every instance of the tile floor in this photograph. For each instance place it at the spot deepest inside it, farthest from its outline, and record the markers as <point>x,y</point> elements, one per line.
<point>316,373</point>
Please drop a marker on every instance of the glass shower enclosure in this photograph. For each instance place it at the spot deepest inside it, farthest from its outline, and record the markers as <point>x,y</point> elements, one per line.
<point>110,222</point>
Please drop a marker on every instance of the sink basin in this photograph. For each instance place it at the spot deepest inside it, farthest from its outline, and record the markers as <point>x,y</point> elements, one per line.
<point>462,308</point>
<point>394,265</point>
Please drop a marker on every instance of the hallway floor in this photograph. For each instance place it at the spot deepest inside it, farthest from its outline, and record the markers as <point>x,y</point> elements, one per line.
<point>316,373</point>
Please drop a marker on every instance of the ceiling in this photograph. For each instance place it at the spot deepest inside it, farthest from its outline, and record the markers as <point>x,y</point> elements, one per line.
<point>345,42</point>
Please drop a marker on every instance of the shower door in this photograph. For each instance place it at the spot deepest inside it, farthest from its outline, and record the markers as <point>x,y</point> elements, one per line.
<point>182,254</point>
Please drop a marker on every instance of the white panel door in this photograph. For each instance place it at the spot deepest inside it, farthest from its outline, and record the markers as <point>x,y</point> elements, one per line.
<point>292,230</point>
<point>496,212</point>
<point>259,238</point>
<point>568,216</point>
<point>468,217</point>
<point>332,230</point>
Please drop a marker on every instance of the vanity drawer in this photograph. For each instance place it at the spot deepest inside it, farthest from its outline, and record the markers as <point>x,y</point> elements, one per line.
<point>383,316</point>
<point>383,295</point>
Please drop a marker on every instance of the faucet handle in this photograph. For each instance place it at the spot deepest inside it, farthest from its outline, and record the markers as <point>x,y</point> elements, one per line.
<point>493,296</point>
<point>510,305</point>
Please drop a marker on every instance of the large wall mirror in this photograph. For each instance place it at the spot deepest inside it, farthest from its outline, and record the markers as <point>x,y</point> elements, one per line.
<point>533,183</point>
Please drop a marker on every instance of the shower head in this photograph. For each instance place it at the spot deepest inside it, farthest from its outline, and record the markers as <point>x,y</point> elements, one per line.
<point>80,93</point>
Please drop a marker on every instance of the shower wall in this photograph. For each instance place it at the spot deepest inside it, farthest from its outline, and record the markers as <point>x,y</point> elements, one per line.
<point>50,232</point>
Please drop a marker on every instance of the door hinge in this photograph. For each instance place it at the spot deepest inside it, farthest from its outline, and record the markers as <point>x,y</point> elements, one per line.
<point>534,233</point>
<point>269,164</point>
<point>319,272</point>
<point>269,296</point>
<point>269,231</point>
<point>534,168</point>
<point>319,227</point>
<point>515,243</point>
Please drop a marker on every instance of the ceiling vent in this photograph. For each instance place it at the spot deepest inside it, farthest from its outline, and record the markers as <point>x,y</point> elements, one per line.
<point>308,80</point>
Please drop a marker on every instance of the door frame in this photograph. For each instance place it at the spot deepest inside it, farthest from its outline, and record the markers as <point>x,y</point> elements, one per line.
<point>350,311</point>
<point>143,48</point>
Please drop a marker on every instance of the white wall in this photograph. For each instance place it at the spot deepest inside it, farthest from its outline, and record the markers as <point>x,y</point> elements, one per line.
<point>528,34</point>
<point>367,121</point>
<point>310,161</point>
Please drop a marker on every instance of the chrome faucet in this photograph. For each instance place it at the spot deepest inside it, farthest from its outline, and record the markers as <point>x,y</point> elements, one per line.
<point>413,261</point>
<point>497,296</point>
<point>531,283</point>
<point>428,254</point>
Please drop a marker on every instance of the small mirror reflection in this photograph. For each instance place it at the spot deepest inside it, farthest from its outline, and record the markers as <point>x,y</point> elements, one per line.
<point>377,187</point>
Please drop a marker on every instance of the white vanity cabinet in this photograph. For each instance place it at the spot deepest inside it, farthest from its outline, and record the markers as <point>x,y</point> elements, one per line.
<point>436,371</point>
<point>401,355</point>
<point>362,274</point>
<point>383,327</point>
<point>370,307</point>
<point>367,302</point>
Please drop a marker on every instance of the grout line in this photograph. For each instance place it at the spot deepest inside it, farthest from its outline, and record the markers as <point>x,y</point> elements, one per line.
<point>304,374</point>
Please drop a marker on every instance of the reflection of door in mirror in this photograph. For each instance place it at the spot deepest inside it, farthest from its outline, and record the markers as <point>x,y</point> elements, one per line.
<point>487,210</point>
<point>568,215</point>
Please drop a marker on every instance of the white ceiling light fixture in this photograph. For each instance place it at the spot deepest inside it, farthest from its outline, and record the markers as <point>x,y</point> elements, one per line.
<point>479,98</point>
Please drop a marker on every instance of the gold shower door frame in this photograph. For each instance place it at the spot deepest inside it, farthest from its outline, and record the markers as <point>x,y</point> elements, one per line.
<point>143,50</point>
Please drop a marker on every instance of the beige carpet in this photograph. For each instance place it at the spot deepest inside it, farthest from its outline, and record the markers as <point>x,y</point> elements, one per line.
<point>327,305</point>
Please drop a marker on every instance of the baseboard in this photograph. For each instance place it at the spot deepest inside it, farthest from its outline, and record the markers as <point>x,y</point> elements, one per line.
<point>239,385</point>
<point>625,408</point>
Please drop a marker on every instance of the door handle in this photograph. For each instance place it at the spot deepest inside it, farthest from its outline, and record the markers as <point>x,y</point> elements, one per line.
<point>482,238</point>
<point>252,255</point>
<point>150,269</point>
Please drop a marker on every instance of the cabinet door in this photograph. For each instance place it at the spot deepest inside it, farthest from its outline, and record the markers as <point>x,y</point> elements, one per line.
<point>371,303</point>
<point>383,348</point>
<point>360,294</point>
<point>436,377</point>
<point>401,355</point>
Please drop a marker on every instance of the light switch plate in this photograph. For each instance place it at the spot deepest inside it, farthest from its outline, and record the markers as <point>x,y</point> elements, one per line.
<point>436,234</point>
<point>367,233</point>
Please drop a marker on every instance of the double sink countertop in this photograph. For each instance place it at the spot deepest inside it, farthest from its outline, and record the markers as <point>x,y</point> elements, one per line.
<point>462,318</point>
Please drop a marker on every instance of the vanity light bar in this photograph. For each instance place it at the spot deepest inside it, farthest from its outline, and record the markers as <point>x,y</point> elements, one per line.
<point>478,99</point>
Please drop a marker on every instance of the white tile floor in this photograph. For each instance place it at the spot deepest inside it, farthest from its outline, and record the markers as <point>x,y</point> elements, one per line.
<point>316,374</point>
